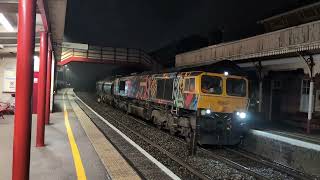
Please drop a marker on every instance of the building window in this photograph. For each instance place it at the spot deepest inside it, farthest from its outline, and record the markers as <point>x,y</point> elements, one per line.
<point>305,86</point>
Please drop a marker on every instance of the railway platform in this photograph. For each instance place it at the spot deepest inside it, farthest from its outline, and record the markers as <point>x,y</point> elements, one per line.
<point>286,145</point>
<point>74,149</point>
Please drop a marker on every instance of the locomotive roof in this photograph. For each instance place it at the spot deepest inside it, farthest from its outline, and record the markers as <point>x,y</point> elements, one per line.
<point>218,67</point>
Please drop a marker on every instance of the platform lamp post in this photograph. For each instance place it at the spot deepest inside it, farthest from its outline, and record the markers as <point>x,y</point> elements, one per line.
<point>310,109</point>
<point>24,84</point>
<point>41,108</point>
<point>310,62</point>
<point>260,76</point>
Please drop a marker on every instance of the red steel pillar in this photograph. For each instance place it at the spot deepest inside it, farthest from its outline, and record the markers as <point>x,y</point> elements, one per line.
<point>42,89</point>
<point>24,84</point>
<point>48,87</point>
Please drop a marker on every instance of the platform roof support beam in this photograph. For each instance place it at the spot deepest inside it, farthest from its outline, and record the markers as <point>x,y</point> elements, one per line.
<point>24,84</point>
<point>48,87</point>
<point>41,107</point>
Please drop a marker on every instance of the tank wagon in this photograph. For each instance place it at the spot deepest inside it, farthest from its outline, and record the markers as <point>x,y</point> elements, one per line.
<point>204,107</point>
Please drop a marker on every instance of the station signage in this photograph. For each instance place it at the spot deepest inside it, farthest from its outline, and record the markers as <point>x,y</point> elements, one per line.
<point>9,82</point>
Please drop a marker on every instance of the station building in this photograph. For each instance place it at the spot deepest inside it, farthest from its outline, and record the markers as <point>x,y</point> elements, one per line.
<point>283,65</point>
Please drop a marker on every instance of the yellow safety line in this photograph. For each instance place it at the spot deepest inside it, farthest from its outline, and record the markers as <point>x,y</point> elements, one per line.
<point>81,174</point>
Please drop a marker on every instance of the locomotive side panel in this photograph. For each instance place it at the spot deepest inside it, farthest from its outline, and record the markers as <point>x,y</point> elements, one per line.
<point>179,101</point>
<point>161,88</point>
<point>186,90</point>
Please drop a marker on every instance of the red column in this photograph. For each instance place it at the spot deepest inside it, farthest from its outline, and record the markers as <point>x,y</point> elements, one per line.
<point>48,87</point>
<point>24,83</point>
<point>42,89</point>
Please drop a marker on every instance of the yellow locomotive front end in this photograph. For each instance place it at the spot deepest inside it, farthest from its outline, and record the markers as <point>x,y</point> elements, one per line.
<point>221,106</point>
<point>222,93</point>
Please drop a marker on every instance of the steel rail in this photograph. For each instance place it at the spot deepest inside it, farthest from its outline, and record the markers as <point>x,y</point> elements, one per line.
<point>170,155</point>
<point>235,165</point>
<point>284,169</point>
<point>227,161</point>
<point>214,156</point>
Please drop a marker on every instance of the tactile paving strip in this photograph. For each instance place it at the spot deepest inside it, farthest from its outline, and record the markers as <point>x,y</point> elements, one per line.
<point>143,165</point>
<point>115,164</point>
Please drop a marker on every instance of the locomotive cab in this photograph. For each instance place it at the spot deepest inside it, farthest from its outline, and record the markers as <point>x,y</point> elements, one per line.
<point>222,109</point>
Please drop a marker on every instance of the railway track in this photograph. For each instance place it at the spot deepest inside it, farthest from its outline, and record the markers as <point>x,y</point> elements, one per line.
<point>197,173</point>
<point>212,155</point>
<point>279,167</point>
<point>283,169</point>
<point>233,162</point>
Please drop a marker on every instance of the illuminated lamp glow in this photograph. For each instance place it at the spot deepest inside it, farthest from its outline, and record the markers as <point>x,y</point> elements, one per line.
<point>36,63</point>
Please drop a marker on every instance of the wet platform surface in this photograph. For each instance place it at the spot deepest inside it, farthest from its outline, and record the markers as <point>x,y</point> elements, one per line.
<point>57,159</point>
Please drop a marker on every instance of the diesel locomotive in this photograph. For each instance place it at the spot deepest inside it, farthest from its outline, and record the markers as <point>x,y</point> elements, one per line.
<point>203,107</point>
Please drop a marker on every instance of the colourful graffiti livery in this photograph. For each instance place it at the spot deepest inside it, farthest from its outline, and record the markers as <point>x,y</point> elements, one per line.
<point>181,101</point>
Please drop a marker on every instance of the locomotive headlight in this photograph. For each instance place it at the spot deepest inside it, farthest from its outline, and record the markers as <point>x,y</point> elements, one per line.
<point>241,115</point>
<point>205,112</point>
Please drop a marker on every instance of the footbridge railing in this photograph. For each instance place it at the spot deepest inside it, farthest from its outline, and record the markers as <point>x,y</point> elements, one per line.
<point>106,55</point>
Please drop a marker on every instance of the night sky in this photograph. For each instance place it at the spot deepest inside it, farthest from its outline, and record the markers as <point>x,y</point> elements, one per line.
<point>151,24</point>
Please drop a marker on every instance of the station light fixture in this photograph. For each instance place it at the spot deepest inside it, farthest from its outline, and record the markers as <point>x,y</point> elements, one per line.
<point>36,63</point>
<point>226,73</point>
<point>6,24</point>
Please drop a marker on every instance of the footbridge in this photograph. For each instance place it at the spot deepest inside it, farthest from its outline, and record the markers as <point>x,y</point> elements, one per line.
<point>105,55</point>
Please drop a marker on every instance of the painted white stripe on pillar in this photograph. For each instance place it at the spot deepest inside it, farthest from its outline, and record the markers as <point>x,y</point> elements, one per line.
<point>310,108</point>
<point>52,81</point>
